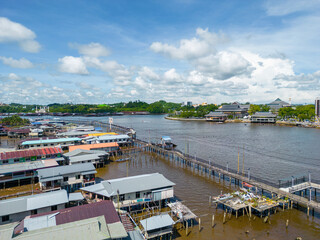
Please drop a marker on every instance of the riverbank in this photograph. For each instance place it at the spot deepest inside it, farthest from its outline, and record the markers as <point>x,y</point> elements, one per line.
<point>278,123</point>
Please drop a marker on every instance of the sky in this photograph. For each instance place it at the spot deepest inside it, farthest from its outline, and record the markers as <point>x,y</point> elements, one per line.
<point>107,51</point>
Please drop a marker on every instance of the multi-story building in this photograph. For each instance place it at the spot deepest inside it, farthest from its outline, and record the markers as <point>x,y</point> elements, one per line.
<point>317,107</point>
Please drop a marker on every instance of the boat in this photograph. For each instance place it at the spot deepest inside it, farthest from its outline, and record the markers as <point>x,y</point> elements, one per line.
<point>166,143</point>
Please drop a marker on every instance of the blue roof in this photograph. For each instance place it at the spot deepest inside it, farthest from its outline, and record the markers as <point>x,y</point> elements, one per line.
<point>36,123</point>
<point>44,141</point>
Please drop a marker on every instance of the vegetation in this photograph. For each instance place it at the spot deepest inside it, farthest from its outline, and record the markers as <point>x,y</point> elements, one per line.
<point>198,112</point>
<point>14,121</point>
<point>258,108</point>
<point>300,113</point>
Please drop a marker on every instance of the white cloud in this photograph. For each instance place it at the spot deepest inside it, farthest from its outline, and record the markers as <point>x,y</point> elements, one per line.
<point>188,49</point>
<point>16,63</point>
<point>92,49</point>
<point>17,33</point>
<point>75,65</point>
<point>285,7</point>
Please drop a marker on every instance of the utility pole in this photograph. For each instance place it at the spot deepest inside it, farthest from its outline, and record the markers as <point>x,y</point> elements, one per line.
<point>243,162</point>
<point>238,159</point>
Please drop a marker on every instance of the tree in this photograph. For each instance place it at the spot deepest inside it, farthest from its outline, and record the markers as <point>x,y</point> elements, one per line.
<point>253,109</point>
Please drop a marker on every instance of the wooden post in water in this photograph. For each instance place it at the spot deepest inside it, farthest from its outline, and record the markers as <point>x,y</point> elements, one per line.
<point>224,218</point>
<point>212,222</point>
<point>291,204</point>
<point>236,213</point>
<point>249,211</point>
<point>210,201</point>
<point>187,228</point>
<point>308,211</point>
<point>287,223</point>
<point>199,224</point>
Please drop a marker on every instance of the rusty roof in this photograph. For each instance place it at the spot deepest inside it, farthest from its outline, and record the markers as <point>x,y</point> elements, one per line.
<point>30,153</point>
<point>67,215</point>
<point>93,146</point>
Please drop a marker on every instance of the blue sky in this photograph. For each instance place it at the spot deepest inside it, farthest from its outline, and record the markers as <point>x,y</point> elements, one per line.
<point>203,51</point>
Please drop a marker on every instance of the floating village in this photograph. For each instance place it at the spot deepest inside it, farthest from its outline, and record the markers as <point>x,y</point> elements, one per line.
<point>49,186</point>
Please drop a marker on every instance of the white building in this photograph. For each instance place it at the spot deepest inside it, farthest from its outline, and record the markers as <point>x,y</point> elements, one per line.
<point>16,209</point>
<point>133,190</point>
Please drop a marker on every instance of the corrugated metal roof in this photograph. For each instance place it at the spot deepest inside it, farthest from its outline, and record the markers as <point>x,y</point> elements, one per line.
<point>87,157</point>
<point>19,167</point>
<point>111,137</point>
<point>62,170</point>
<point>92,228</point>
<point>130,184</point>
<point>94,146</point>
<point>29,153</point>
<point>156,222</point>
<point>47,141</point>
<point>84,152</point>
<point>31,202</point>
<point>77,196</point>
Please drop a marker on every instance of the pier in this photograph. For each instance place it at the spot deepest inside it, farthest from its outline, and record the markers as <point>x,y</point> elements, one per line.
<point>227,174</point>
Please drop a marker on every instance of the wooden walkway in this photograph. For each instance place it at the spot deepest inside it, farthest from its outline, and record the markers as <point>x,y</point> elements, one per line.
<point>204,166</point>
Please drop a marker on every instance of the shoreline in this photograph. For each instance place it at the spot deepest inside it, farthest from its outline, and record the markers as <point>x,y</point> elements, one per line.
<point>278,123</point>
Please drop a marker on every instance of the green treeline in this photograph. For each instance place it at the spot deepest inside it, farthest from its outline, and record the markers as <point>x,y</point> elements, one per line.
<point>14,120</point>
<point>156,107</point>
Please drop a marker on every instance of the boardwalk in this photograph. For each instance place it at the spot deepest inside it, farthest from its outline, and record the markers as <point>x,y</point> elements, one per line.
<point>202,165</point>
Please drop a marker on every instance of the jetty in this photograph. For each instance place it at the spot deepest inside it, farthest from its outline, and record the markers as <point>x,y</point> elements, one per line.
<point>227,174</point>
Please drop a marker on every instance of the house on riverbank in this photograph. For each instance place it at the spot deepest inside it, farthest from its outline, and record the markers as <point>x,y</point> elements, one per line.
<point>69,177</point>
<point>263,117</point>
<point>236,110</point>
<point>216,117</point>
<point>133,190</point>
<point>91,221</point>
<point>15,209</point>
<point>63,142</point>
<point>97,157</point>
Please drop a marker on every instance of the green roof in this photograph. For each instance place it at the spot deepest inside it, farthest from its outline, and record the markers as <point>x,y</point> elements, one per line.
<point>46,141</point>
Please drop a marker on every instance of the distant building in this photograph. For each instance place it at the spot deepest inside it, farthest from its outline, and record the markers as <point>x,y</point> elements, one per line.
<point>122,140</point>
<point>277,104</point>
<point>317,108</point>
<point>263,117</point>
<point>235,109</point>
<point>216,117</point>
<point>189,104</point>
<point>97,157</point>
<point>63,142</point>
<point>111,147</point>
<point>15,209</point>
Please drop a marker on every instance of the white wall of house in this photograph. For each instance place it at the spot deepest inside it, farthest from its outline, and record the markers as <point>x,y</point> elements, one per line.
<point>21,215</point>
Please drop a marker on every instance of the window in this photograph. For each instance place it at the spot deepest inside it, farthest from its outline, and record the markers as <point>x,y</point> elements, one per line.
<point>53,208</point>
<point>38,145</point>
<point>45,145</point>
<point>137,194</point>
<point>33,212</point>
<point>78,176</point>
<point>16,160</point>
<point>5,161</point>
<point>121,197</point>
<point>65,179</point>
<point>5,218</point>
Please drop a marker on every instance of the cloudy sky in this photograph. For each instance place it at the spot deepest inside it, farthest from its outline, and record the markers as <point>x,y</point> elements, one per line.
<point>177,50</point>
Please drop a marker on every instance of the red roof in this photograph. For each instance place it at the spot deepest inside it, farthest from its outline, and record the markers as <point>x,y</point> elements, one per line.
<point>81,212</point>
<point>29,153</point>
